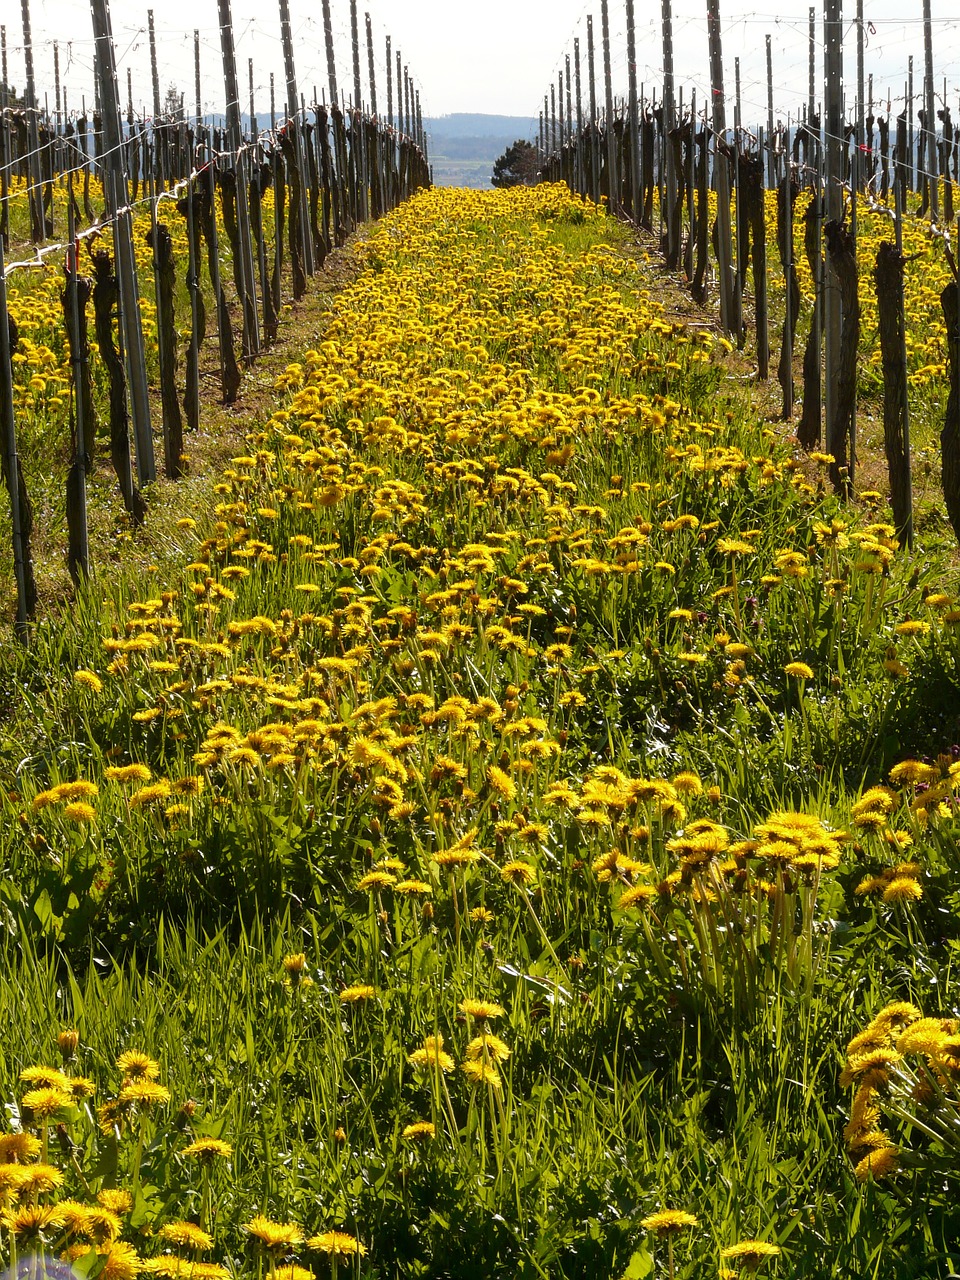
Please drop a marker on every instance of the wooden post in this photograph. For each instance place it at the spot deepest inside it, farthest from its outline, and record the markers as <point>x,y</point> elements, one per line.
<point>6,148</point>
<point>243,266</point>
<point>356,121</point>
<point>389,84</point>
<point>553,119</point>
<point>633,116</point>
<point>911,183</point>
<point>76,295</point>
<point>833,155</point>
<point>594,140</point>
<point>34,177</point>
<point>728,318</point>
<point>293,104</point>
<point>196,79</point>
<point>581,155</point>
<point>21,516</point>
<point>331,58</point>
<point>613,181</point>
<point>371,68</point>
<point>888,276</point>
<point>115,186</point>
<point>930,162</point>
<point>809,151</point>
<point>669,124</point>
<point>771,159</point>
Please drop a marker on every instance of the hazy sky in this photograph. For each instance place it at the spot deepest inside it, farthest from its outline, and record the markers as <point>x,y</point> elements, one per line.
<point>495,56</point>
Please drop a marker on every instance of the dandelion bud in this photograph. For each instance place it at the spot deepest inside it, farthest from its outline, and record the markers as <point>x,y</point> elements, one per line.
<point>427,911</point>
<point>67,1042</point>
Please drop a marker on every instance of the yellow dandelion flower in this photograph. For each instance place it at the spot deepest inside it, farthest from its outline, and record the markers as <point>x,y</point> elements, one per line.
<point>337,1244</point>
<point>669,1221</point>
<point>136,1065</point>
<point>206,1150</point>
<point>481,1009</point>
<point>276,1237</point>
<point>357,994</point>
<point>419,1130</point>
<point>431,1055</point>
<point>187,1235</point>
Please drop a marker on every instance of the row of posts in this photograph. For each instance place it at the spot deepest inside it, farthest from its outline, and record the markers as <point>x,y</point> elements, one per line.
<point>330,168</point>
<point>627,150</point>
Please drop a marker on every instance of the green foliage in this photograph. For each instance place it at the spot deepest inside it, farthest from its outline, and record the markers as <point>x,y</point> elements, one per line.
<point>513,609</point>
<point>518,166</point>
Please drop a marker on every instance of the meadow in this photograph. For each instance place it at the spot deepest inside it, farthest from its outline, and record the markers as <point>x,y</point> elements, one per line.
<point>518,836</point>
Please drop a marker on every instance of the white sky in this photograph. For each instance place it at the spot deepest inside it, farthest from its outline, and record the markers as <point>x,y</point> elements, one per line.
<point>499,56</point>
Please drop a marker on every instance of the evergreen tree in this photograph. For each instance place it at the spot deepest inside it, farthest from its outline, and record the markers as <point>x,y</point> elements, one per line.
<point>519,165</point>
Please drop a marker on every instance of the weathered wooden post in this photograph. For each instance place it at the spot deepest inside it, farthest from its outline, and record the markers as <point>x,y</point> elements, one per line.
<point>21,512</point>
<point>613,179</point>
<point>38,228</point>
<point>241,243</point>
<point>594,125</point>
<point>115,187</point>
<point>728,317</point>
<point>836,432</point>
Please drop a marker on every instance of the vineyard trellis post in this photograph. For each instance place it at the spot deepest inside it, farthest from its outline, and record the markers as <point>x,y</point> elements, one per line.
<point>633,119</point>
<point>594,139</point>
<point>836,432</point>
<point>20,515</point>
<point>613,201</point>
<point>771,156</point>
<point>728,317</point>
<point>6,149</point>
<point>242,248</point>
<point>290,75</point>
<point>581,168</point>
<point>929,151</point>
<point>35,191</point>
<point>115,190</point>
<point>669,124</point>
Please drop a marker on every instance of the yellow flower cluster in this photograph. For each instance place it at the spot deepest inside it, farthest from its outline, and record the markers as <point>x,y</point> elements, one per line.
<point>907,1067</point>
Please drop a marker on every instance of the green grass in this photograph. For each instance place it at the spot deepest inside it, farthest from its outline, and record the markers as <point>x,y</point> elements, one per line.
<point>507,695</point>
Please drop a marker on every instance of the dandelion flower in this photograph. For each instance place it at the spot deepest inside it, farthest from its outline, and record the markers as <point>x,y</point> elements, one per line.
<point>668,1221</point>
<point>337,1244</point>
<point>19,1148</point>
<point>187,1235</point>
<point>136,1065</point>
<point>206,1150</point>
<point>432,1054</point>
<point>44,1103</point>
<point>357,994</point>
<point>750,1253</point>
<point>276,1237</point>
<point>481,1009</point>
<point>419,1130</point>
<point>799,670</point>
<point>144,1093</point>
<point>519,873</point>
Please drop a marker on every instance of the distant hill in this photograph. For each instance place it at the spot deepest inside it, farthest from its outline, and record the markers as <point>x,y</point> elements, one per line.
<point>464,145</point>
